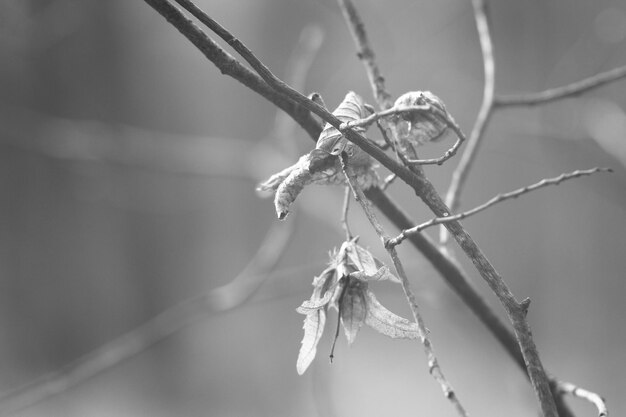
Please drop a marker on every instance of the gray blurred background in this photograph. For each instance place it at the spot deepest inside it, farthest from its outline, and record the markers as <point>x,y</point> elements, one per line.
<point>127,175</point>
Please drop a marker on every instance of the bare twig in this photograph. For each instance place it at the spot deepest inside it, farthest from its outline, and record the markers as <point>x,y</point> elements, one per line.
<point>344,216</point>
<point>558,93</point>
<point>595,399</point>
<point>460,174</point>
<point>219,299</point>
<point>158,328</point>
<point>495,200</point>
<point>433,363</point>
<point>427,108</point>
<point>105,357</point>
<point>365,53</point>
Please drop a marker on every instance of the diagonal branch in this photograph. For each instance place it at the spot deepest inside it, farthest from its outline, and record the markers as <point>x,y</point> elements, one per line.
<point>559,93</point>
<point>154,330</point>
<point>460,174</point>
<point>495,200</point>
<point>433,363</point>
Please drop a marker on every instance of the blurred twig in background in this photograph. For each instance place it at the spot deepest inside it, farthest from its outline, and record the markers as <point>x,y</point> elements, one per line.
<point>559,93</point>
<point>228,158</point>
<point>461,172</point>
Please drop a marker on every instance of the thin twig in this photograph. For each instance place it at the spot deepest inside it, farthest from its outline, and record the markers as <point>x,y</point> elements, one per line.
<point>174,319</point>
<point>366,53</point>
<point>344,216</point>
<point>426,108</point>
<point>558,93</point>
<point>460,174</point>
<point>433,363</point>
<point>495,200</point>
<point>595,399</point>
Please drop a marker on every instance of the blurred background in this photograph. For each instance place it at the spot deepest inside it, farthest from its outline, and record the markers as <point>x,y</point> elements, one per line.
<point>128,168</point>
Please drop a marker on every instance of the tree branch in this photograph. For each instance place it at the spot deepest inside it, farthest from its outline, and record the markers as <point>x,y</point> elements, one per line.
<point>559,93</point>
<point>495,200</point>
<point>157,328</point>
<point>460,174</point>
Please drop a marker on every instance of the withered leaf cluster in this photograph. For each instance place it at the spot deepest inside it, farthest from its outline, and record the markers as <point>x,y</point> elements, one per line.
<point>322,165</point>
<point>344,286</point>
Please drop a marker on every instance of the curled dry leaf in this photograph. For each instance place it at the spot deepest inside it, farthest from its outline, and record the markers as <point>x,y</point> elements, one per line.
<point>321,165</point>
<point>344,286</point>
<point>419,127</point>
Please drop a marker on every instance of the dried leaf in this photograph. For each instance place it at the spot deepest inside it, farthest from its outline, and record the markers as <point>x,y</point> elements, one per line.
<point>353,308</point>
<point>417,128</point>
<point>351,108</point>
<point>386,322</point>
<point>313,329</point>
